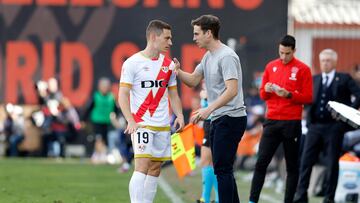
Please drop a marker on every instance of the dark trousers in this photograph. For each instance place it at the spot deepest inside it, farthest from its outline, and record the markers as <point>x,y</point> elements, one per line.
<point>48,143</point>
<point>14,141</point>
<point>276,132</point>
<point>327,138</point>
<point>225,135</point>
<point>101,129</point>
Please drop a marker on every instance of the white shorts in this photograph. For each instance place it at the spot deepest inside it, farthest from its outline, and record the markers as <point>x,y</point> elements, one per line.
<point>152,144</point>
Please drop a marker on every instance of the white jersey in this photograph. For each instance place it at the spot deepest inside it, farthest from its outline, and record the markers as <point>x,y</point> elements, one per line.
<point>149,80</point>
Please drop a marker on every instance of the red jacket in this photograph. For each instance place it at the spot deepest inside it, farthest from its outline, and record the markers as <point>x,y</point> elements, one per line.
<point>296,78</point>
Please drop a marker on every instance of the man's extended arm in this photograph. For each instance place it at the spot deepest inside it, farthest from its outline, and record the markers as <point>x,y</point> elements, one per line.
<point>190,79</point>
<point>176,108</point>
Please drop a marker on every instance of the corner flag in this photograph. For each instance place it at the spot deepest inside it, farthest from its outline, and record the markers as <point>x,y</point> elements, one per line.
<point>183,151</point>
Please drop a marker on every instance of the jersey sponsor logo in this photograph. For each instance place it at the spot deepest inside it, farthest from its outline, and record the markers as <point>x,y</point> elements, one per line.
<point>294,71</point>
<point>274,69</point>
<point>154,83</point>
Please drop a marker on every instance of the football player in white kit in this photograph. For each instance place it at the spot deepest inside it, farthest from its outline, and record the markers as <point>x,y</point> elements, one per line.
<point>147,84</point>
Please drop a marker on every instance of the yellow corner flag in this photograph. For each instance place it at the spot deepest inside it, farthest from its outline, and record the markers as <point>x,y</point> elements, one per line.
<point>183,151</point>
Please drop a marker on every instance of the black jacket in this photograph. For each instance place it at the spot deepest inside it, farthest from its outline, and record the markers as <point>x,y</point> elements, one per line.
<point>343,88</point>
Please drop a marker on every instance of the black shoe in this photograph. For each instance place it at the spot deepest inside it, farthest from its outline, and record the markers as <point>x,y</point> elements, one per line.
<point>300,199</point>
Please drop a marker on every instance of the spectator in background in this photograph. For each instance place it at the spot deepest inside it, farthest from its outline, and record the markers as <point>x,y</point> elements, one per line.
<point>252,97</point>
<point>286,87</point>
<point>42,91</point>
<point>253,104</point>
<point>323,131</point>
<point>101,105</point>
<point>54,92</point>
<point>61,123</point>
<point>48,90</point>
<point>14,128</point>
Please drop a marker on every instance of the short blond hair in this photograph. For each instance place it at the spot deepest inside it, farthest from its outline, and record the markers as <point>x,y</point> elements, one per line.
<point>329,52</point>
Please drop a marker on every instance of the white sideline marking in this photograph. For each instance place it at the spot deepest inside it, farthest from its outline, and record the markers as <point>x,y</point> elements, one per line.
<point>269,198</point>
<point>169,192</point>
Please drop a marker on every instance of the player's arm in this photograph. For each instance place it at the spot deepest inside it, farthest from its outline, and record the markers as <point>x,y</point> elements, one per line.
<point>176,108</point>
<point>123,98</point>
<point>230,92</point>
<point>190,79</point>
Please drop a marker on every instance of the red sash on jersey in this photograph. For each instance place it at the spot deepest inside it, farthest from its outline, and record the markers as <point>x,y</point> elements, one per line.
<point>151,103</point>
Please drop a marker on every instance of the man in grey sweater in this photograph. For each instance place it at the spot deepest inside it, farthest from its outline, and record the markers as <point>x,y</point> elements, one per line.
<point>220,68</point>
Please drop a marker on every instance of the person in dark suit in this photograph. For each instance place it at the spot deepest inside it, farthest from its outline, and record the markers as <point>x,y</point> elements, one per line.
<point>324,132</point>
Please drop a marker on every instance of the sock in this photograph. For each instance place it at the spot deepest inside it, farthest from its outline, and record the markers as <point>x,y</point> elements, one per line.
<point>136,187</point>
<point>207,182</point>
<point>150,188</point>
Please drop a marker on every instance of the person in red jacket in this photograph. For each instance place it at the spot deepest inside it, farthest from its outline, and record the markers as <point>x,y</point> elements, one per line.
<point>286,87</point>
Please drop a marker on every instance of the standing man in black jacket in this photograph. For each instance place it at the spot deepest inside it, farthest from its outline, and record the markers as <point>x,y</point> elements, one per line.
<point>324,132</point>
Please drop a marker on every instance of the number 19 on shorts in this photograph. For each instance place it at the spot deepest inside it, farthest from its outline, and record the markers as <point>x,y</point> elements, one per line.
<point>142,137</point>
<point>142,141</point>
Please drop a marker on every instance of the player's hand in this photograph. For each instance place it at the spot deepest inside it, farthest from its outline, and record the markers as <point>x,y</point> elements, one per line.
<point>179,123</point>
<point>177,65</point>
<point>268,87</point>
<point>281,92</point>
<point>200,114</point>
<point>131,127</point>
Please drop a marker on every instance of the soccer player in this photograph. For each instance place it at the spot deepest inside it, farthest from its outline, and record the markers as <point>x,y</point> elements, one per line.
<point>221,69</point>
<point>147,84</point>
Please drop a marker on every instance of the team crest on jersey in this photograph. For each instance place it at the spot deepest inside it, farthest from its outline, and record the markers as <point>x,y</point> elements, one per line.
<point>274,69</point>
<point>165,69</point>
<point>141,148</point>
<point>294,71</point>
<point>146,68</point>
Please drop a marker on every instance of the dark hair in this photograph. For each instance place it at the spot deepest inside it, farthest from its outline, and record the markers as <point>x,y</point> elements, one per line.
<point>208,22</point>
<point>288,41</point>
<point>156,26</point>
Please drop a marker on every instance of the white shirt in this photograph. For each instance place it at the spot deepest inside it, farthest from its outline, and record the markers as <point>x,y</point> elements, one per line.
<point>149,80</point>
<point>330,75</point>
